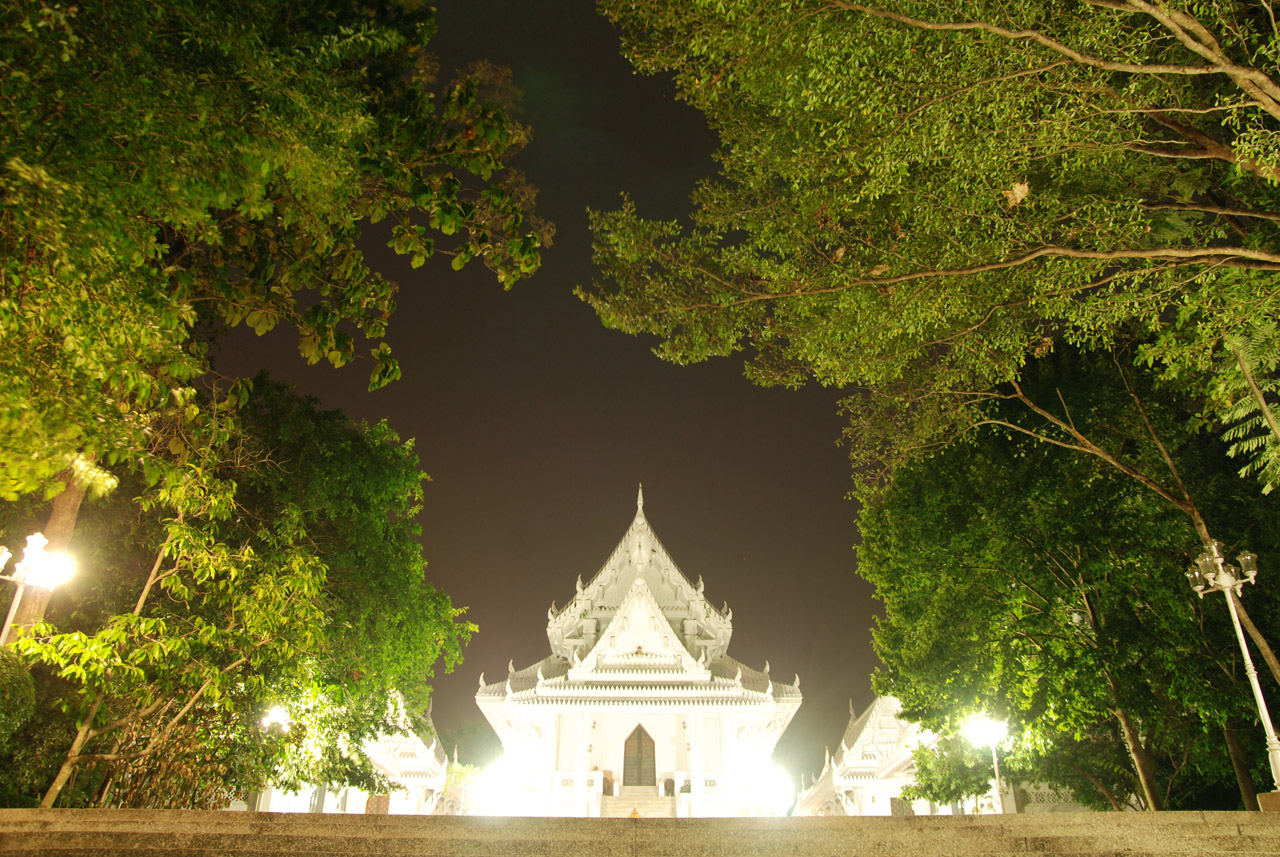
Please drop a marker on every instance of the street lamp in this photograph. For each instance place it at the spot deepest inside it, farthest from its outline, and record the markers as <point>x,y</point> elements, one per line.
<point>1211,573</point>
<point>38,568</point>
<point>982,731</point>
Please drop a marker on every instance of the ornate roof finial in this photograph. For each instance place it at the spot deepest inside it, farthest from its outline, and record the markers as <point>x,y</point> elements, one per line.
<point>511,666</point>
<point>766,667</point>
<point>482,681</point>
<point>640,500</point>
<point>797,681</point>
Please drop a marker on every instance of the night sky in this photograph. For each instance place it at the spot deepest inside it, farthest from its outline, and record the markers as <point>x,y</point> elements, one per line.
<point>536,424</point>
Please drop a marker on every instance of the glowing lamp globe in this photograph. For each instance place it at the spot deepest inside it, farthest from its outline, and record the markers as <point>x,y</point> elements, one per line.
<point>982,731</point>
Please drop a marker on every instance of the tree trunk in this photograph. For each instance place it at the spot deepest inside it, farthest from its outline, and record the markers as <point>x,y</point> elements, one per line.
<point>1137,753</point>
<point>1258,640</point>
<point>58,530</point>
<point>1141,761</point>
<point>1248,793</point>
<point>69,763</point>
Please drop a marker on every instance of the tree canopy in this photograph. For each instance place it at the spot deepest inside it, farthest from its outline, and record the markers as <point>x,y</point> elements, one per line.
<point>276,566</point>
<point>168,170</point>
<point>1047,589</point>
<point>919,197</point>
<point>169,162</point>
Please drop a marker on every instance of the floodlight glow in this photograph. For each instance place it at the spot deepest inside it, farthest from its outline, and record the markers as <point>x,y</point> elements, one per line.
<point>277,716</point>
<point>982,731</point>
<point>500,788</point>
<point>42,569</point>
<point>777,791</point>
<point>51,569</point>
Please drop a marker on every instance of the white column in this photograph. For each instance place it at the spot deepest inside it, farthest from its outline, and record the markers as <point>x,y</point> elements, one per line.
<point>580,770</point>
<point>697,775</point>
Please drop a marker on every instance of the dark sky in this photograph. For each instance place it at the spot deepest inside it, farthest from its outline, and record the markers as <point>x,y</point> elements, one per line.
<point>536,424</point>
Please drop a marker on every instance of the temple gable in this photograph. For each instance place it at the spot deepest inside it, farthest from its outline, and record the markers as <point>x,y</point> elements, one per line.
<point>639,692</point>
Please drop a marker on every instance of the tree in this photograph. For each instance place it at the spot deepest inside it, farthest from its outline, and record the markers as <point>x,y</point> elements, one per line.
<point>918,198</point>
<point>278,538</point>
<point>170,162</point>
<point>1047,588</point>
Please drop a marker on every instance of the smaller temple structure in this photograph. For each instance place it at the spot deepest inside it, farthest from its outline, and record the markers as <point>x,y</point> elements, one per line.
<point>417,768</point>
<point>874,764</point>
<point>638,708</point>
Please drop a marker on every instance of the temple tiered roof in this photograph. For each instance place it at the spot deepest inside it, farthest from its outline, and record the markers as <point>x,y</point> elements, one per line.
<point>639,629</point>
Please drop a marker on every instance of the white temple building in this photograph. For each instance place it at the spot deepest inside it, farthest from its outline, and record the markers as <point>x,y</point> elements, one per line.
<point>638,709</point>
<point>867,774</point>
<point>417,769</point>
<point>874,764</point>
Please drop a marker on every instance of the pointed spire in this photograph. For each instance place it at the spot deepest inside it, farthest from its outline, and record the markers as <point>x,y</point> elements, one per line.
<point>640,501</point>
<point>481,680</point>
<point>766,667</point>
<point>797,681</point>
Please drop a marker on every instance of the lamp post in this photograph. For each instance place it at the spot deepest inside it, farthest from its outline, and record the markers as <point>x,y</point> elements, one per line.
<point>982,731</point>
<point>37,568</point>
<point>1212,573</point>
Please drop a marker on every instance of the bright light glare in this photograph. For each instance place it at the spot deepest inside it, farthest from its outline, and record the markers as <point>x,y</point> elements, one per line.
<point>277,716</point>
<point>778,791</point>
<point>42,569</point>
<point>982,731</point>
<point>53,569</point>
<point>499,789</point>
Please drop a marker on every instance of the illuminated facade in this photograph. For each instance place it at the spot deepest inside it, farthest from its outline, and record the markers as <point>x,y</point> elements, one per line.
<point>417,769</point>
<point>639,709</point>
<point>874,764</point>
<point>868,772</point>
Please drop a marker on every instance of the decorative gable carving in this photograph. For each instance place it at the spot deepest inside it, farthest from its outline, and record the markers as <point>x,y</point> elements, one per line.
<point>639,637</point>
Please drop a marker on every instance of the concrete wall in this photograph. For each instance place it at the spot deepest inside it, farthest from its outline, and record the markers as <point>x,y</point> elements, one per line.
<point>81,833</point>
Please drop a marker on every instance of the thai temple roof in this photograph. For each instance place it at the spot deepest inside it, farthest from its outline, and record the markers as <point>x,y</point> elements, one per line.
<point>639,628</point>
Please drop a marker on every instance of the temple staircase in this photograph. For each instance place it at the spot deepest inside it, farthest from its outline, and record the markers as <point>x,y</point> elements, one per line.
<point>157,833</point>
<point>643,800</point>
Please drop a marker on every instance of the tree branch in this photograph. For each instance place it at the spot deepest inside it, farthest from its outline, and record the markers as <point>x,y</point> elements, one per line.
<point>1226,256</point>
<point>1034,35</point>
<point>1211,209</point>
<point>1191,509</point>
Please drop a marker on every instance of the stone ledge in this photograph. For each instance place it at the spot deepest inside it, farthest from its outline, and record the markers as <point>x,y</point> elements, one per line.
<point>97,833</point>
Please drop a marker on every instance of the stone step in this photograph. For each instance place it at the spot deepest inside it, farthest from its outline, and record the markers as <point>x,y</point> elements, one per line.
<point>98,833</point>
<point>643,800</point>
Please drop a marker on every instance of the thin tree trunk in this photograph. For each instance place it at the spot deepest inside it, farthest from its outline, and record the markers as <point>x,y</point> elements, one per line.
<point>1137,752</point>
<point>1248,793</point>
<point>1141,761</point>
<point>1256,635</point>
<point>86,730</point>
<point>1267,414</point>
<point>69,763</point>
<point>1103,790</point>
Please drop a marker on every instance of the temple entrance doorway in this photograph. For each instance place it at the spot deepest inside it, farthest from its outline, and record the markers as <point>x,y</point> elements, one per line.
<point>638,768</point>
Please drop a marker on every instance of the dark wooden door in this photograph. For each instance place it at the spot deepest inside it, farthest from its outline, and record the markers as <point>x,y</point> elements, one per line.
<point>638,767</point>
